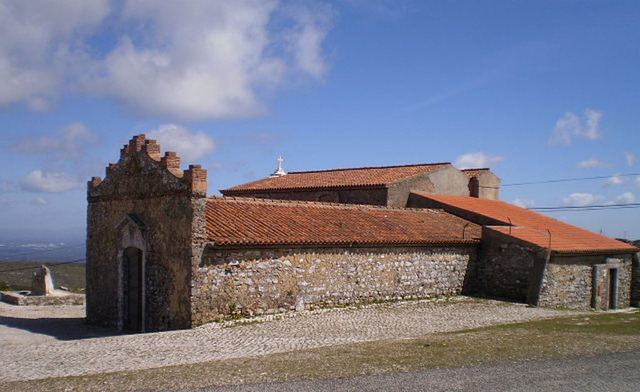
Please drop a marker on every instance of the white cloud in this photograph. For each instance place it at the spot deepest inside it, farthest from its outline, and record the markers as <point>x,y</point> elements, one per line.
<point>38,45</point>
<point>39,201</point>
<point>187,144</point>
<point>614,180</point>
<point>69,142</point>
<point>524,203</point>
<point>477,160</point>
<point>194,61</point>
<point>582,199</point>
<point>211,59</point>
<point>7,186</point>
<point>593,163</point>
<point>306,40</point>
<point>630,158</point>
<point>626,198</point>
<point>50,182</point>
<point>386,8</point>
<point>39,104</point>
<point>571,125</point>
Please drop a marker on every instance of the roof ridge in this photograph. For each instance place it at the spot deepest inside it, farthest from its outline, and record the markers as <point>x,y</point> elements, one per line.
<point>347,206</point>
<point>478,168</point>
<point>369,167</point>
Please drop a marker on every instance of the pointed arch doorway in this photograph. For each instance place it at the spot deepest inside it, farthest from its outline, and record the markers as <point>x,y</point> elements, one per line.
<point>132,254</point>
<point>133,282</point>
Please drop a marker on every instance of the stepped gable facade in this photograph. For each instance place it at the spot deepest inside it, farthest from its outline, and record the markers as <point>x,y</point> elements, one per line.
<point>387,186</point>
<point>161,254</point>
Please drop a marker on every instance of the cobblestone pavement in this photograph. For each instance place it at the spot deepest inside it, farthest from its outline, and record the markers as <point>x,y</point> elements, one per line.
<point>51,341</point>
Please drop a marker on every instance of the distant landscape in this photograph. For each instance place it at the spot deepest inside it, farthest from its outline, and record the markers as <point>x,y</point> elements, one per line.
<point>17,276</point>
<point>22,252</point>
<point>42,250</point>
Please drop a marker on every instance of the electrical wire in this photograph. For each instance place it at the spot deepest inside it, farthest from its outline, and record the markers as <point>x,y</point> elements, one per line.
<point>587,208</point>
<point>50,265</point>
<point>571,179</point>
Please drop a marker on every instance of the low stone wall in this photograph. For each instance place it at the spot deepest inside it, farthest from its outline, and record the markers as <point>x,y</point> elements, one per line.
<point>568,281</point>
<point>19,299</point>
<point>272,280</point>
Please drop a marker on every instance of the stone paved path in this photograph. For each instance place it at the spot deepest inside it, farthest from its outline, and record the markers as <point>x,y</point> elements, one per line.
<point>50,341</point>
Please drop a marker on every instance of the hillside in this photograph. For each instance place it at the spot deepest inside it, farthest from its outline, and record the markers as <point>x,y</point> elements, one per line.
<point>17,275</point>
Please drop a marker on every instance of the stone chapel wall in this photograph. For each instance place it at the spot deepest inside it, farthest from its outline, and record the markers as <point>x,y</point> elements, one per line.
<point>148,203</point>
<point>505,266</point>
<point>258,281</point>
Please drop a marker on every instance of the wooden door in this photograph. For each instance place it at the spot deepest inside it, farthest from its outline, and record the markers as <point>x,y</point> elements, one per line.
<point>133,289</point>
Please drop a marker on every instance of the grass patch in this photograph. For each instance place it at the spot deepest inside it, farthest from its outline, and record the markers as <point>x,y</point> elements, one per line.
<point>619,323</point>
<point>71,275</point>
<point>577,336</point>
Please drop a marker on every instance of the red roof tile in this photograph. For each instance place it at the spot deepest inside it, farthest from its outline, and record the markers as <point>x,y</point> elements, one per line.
<point>534,227</point>
<point>244,221</point>
<point>337,178</point>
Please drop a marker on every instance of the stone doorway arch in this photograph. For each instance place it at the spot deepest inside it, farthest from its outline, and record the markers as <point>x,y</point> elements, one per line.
<point>132,255</point>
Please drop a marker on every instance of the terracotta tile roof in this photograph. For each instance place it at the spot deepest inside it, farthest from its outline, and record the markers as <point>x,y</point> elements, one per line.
<point>244,221</point>
<point>475,172</point>
<point>338,178</point>
<point>534,227</point>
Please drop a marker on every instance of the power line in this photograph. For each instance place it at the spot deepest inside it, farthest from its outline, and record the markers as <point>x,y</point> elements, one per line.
<point>50,265</point>
<point>594,207</point>
<point>571,179</point>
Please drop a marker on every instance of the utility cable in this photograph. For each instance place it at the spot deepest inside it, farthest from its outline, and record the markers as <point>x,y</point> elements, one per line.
<point>571,179</point>
<point>50,265</point>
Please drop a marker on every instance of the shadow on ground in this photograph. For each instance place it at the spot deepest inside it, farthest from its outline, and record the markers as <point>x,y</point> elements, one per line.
<point>59,328</point>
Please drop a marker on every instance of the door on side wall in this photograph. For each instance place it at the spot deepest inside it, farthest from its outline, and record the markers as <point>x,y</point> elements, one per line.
<point>607,288</point>
<point>133,289</point>
<point>613,289</point>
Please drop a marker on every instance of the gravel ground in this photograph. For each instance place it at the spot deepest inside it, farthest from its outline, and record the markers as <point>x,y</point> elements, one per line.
<point>52,341</point>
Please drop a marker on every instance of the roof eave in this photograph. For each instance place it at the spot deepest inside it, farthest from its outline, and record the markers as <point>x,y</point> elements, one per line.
<point>350,244</point>
<point>289,189</point>
<point>578,252</point>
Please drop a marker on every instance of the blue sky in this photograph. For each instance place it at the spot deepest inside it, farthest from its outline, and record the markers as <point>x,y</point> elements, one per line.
<point>535,90</point>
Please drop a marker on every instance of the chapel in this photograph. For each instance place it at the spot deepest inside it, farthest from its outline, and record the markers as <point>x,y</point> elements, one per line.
<point>163,254</point>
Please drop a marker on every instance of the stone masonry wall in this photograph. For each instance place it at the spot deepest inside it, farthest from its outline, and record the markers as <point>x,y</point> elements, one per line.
<point>166,264</point>
<point>277,280</point>
<point>568,281</point>
<point>147,202</point>
<point>505,266</point>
